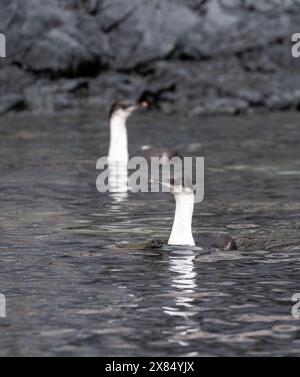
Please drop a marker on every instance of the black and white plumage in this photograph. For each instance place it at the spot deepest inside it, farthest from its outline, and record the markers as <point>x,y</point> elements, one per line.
<point>181,233</point>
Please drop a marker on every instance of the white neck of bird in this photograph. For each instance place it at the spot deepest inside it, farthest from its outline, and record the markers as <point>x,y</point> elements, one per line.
<point>182,226</point>
<point>118,147</point>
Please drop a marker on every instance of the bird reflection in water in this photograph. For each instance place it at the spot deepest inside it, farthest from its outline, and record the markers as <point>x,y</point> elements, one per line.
<point>183,284</point>
<point>118,181</point>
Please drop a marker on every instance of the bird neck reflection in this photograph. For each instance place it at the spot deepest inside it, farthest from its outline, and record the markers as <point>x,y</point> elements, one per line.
<point>184,284</point>
<point>118,180</point>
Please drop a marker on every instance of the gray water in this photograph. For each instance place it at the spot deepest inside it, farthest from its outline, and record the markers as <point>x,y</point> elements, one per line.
<point>71,292</point>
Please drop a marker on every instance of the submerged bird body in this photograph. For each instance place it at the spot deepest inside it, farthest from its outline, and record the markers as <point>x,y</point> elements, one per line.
<point>164,154</point>
<point>220,241</point>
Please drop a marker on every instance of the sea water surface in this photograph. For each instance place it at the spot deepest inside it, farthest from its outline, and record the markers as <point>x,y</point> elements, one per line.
<point>71,292</point>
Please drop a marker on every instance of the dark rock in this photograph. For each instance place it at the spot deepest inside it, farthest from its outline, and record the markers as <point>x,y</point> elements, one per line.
<point>232,30</point>
<point>142,31</point>
<point>112,86</point>
<point>231,106</point>
<point>10,102</point>
<point>193,57</point>
<point>147,245</point>
<point>57,95</point>
<point>13,79</point>
<point>283,100</point>
<point>47,38</point>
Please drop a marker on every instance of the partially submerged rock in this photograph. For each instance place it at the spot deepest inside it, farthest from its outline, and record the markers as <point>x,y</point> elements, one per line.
<point>147,245</point>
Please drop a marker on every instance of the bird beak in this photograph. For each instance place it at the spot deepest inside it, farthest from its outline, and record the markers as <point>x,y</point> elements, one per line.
<point>155,180</point>
<point>143,105</point>
<point>139,106</point>
<point>134,107</point>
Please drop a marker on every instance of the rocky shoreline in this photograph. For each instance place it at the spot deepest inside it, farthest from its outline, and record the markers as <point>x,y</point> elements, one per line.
<point>195,57</point>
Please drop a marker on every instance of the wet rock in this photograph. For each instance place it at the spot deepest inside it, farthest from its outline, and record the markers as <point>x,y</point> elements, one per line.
<point>8,10</point>
<point>231,106</point>
<point>56,95</point>
<point>47,38</point>
<point>228,30</point>
<point>283,100</point>
<point>61,39</point>
<point>267,6</point>
<point>160,97</point>
<point>252,61</point>
<point>10,102</point>
<point>253,97</point>
<point>142,31</point>
<point>112,86</point>
<point>193,57</point>
<point>13,79</point>
<point>147,245</point>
